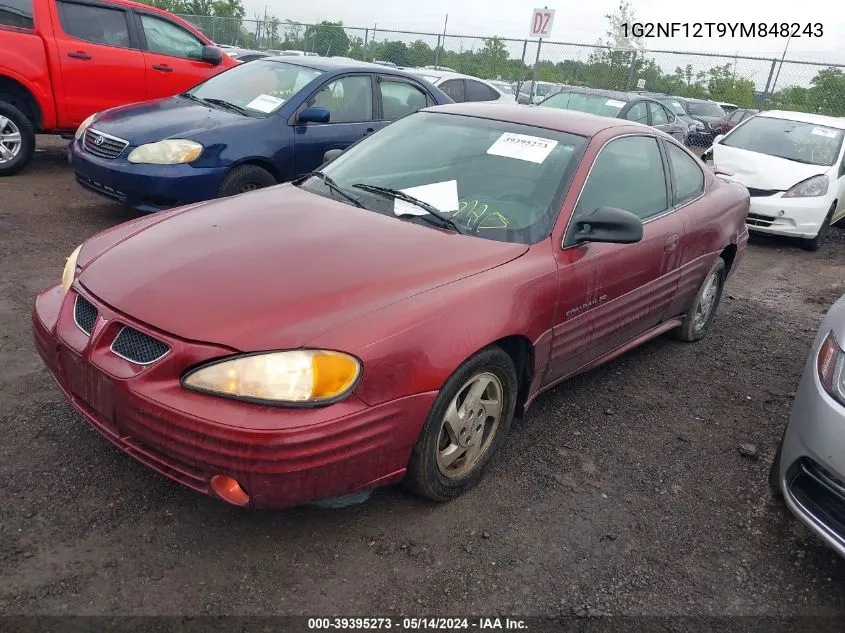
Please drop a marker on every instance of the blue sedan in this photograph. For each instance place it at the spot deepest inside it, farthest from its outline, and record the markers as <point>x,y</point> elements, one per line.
<point>253,126</point>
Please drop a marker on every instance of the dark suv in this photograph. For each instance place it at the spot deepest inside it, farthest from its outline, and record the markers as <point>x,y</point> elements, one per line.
<point>709,114</point>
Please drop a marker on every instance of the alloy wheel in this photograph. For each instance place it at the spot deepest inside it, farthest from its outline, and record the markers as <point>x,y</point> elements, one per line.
<point>10,140</point>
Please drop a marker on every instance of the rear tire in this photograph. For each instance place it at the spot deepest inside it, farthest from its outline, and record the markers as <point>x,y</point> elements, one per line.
<point>444,464</point>
<point>17,140</point>
<point>698,319</point>
<point>815,243</point>
<point>245,178</point>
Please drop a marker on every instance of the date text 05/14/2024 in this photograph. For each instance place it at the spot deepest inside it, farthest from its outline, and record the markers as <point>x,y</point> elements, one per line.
<point>417,624</point>
<point>722,29</point>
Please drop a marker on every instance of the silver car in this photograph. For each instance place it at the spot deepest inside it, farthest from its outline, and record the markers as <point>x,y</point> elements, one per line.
<point>809,467</point>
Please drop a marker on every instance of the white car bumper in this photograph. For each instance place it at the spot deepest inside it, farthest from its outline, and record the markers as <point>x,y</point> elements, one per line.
<point>796,217</point>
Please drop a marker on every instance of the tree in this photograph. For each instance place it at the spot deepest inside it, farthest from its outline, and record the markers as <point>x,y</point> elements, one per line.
<point>392,51</point>
<point>420,54</point>
<point>493,57</point>
<point>327,39</point>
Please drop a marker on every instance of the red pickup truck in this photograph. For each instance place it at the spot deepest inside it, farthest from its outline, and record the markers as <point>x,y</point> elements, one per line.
<point>64,60</point>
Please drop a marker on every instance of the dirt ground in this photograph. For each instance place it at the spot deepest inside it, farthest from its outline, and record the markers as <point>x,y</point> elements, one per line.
<point>621,492</point>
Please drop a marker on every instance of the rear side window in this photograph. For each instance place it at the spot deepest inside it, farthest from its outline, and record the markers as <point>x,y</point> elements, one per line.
<point>167,38</point>
<point>98,25</point>
<point>638,113</point>
<point>689,179</point>
<point>658,114</point>
<point>16,13</point>
<point>454,89</point>
<point>477,91</point>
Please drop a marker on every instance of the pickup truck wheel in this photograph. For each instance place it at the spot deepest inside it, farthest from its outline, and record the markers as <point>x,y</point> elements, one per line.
<point>245,178</point>
<point>17,140</point>
<point>700,315</point>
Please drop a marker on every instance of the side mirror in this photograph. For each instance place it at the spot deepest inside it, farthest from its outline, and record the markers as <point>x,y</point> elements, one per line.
<point>212,55</point>
<point>314,115</point>
<point>718,138</point>
<point>608,225</point>
<point>331,155</point>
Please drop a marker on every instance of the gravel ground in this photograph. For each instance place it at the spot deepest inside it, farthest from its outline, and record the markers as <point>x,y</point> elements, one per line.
<point>621,492</point>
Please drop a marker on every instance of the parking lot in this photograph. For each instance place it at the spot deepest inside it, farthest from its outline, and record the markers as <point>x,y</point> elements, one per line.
<point>623,491</point>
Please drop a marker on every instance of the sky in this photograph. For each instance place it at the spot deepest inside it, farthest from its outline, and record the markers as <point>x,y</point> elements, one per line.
<point>584,22</point>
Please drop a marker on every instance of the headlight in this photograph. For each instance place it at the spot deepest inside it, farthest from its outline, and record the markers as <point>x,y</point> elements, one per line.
<point>831,366</point>
<point>69,272</point>
<point>84,126</point>
<point>699,125</point>
<point>291,377</point>
<point>810,188</point>
<point>173,151</point>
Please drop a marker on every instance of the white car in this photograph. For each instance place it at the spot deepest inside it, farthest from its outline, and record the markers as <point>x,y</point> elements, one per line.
<point>793,165</point>
<point>462,88</point>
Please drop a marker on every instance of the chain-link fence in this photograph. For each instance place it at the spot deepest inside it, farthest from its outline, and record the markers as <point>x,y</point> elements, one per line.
<point>750,82</point>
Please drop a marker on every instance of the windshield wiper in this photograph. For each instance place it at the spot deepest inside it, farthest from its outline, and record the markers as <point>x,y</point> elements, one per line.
<point>225,104</point>
<point>442,219</point>
<point>333,186</point>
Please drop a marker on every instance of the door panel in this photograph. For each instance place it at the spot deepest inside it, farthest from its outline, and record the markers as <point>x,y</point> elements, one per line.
<point>349,100</point>
<point>173,57</point>
<point>99,69</point>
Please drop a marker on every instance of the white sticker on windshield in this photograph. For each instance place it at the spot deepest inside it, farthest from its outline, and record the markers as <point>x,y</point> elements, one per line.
<point>677,105</point>
<point>523,147</point>
<point>443,196</point>
<point>824,131</point>
<point>615,103</point>
<point>265,103</point>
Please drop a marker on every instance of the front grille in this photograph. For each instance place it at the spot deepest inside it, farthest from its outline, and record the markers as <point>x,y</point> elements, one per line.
<point>137,347</point>
<point>103,145</point>
<point>757,193</point>
<point>820,493</point>
<point>84,314</point>
<point>755,219</point>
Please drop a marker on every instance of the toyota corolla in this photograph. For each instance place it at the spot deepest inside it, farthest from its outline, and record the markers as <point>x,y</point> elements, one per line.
<point>385,318</point>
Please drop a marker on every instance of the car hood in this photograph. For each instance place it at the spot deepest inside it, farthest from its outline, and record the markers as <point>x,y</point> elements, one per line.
<point>276,268</point>
<point>174,117</point>
<point>761,171</point>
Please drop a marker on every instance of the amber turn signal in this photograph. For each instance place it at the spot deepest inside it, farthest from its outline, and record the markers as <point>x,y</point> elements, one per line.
<point>229,490</point>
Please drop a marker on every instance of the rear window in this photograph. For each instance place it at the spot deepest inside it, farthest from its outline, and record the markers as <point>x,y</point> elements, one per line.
<point>16,13</point>
<point>594,104</point>
<point>703,108</point>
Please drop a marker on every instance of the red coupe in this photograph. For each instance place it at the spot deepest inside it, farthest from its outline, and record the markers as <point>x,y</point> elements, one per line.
<point>385,318</point>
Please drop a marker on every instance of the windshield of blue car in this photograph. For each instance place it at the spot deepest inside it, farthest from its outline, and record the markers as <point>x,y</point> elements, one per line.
<point>260,87</point>
<point>497,180</point>
<point>594,104</point>
<point>703,108</point>
<point>798,141</point>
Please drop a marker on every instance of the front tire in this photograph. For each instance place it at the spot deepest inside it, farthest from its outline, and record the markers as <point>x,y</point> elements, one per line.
<point>698,319</point>
<point>815,243</point>
<point>465,428</point>
<point>774,475</point>
<point>245,178</point>
<point>17,140</point>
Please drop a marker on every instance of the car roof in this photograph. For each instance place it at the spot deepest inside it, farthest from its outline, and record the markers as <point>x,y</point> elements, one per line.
<point>579,123</point>
<point>610,94</point>
<point>804,117</point>
<point>329,64</point>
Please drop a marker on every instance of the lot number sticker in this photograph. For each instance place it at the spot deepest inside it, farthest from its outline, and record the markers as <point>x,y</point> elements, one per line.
<point>523,147</point>
<point>824,131</point>
<point>614,103</point>
<point>265,103</point>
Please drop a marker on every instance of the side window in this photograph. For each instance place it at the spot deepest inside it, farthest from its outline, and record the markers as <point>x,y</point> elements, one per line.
<point>348,99</point>
<point>167,38</point>
<point>627,174</point>
<point>477,91</point>
<point>638,113</point>
<point>658,114</point>
<point>669,114</point>
<point>736,116</point>
<point>17,13</point>
<point>689,179</point>
<point>399,98</point>
<point>454,89</point>
<point>97,25</point>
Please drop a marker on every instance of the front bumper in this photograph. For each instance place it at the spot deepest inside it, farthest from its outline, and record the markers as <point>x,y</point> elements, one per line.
<point>792,217</point>
<point>812,463</point>
<point>281,457</point>
<point>145,188</point>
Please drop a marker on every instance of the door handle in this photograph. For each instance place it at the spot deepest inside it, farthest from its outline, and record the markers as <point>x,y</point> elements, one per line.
<point>163,68</point>
<point>79,55</point>
<point>671,243</point>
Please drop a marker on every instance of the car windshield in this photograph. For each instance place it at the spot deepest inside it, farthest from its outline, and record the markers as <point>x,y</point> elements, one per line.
<point>260,87</point>
<point>794,140</point>
<point>674,105</point>
<point>544,89</point>
<point>703,108</point>
<point>594,104</point>
<point>496,180</point>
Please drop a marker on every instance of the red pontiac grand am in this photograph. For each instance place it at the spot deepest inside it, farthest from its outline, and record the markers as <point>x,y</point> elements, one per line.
<point>384,318</point>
